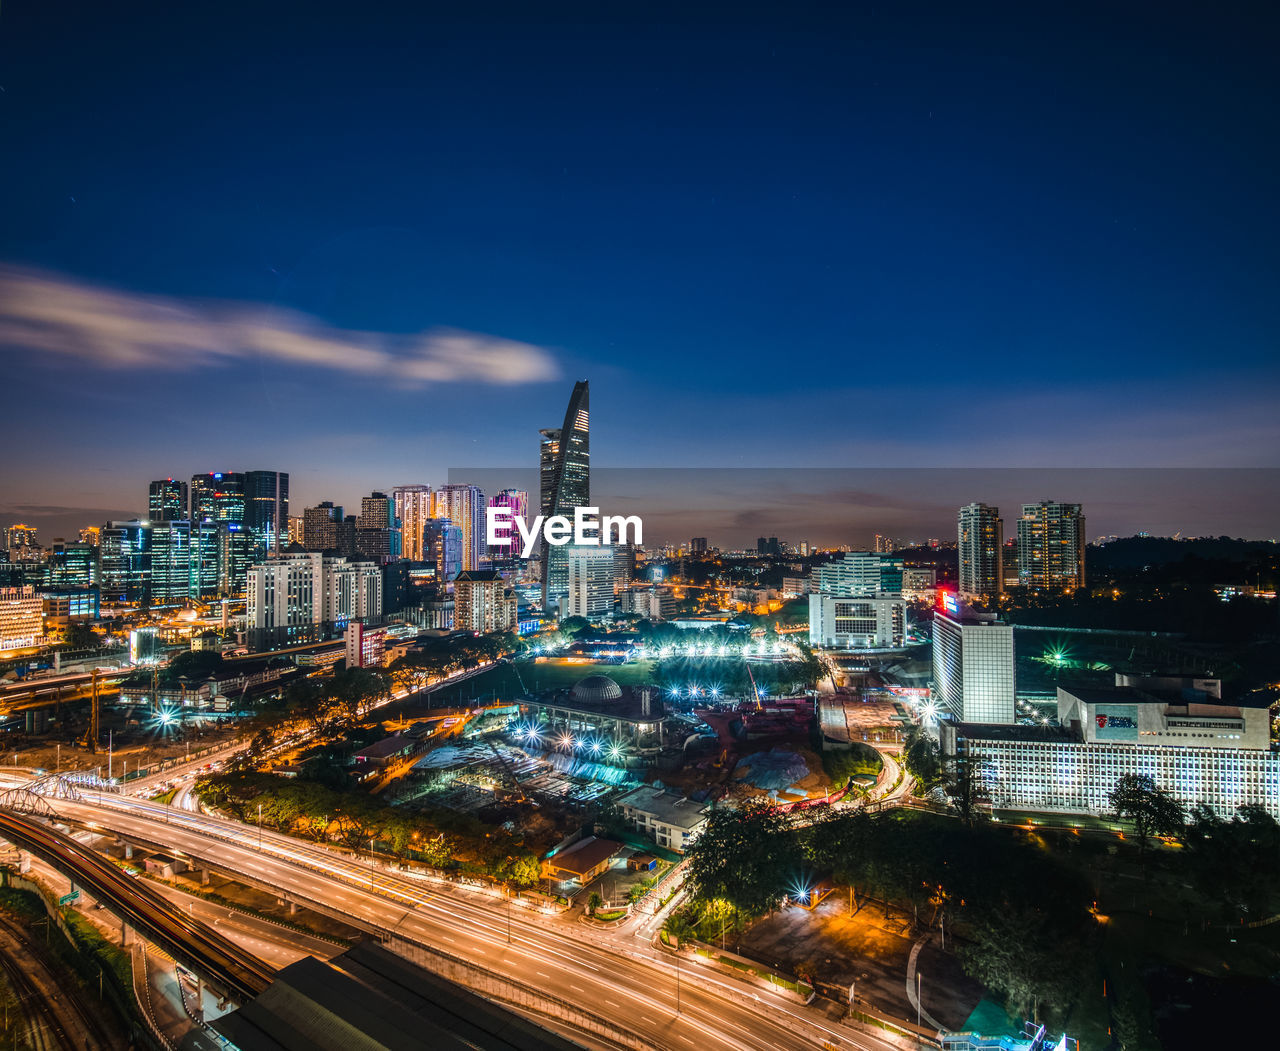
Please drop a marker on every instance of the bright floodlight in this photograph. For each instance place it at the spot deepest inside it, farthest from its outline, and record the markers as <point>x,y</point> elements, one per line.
<point>166,717</point>
<point>566,740</point>
<point>615,752</point>
<point>595,747</point>
<point>715,691</point>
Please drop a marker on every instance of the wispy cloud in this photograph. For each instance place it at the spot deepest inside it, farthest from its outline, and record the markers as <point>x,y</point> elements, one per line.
<point>54,315</point>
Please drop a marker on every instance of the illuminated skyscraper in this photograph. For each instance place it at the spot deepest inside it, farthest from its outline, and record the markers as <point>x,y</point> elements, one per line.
<point>124,563</point>
<point>167,500</point>
<point>565,467</point>
<point>413,508</point>
<point>266,511</point>
<point>218,496</point>
<point>981,541</point>
<point>1051,542</point>
<point>518,501</point>
<point>464,506</point>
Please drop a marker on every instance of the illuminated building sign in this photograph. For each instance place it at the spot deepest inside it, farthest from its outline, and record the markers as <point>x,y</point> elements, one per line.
<point>949,602</point>
<point>1116,722</point>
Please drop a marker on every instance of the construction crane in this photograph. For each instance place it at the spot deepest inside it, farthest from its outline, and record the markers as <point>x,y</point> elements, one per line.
<point>91,737</point>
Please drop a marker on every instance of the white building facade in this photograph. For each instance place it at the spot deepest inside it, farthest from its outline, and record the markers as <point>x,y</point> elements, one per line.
<point>1200,753</point>
<point>591,575</point>
<point>308,588</point>
<point>973,669</point>
<point>857,623</point>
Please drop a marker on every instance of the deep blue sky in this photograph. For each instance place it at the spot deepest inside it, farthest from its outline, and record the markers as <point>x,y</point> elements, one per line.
<point>839,235</point>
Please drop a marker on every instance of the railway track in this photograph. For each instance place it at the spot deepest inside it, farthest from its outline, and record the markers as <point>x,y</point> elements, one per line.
<point>206,951</point>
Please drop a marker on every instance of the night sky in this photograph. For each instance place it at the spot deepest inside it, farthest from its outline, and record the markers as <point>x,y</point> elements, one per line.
<point>366,243</point>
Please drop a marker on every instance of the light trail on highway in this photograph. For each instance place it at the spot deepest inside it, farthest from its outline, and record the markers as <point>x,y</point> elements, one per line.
<point>634,989</point>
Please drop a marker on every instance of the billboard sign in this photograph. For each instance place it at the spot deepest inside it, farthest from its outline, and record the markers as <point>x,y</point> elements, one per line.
<point>1115,722</point>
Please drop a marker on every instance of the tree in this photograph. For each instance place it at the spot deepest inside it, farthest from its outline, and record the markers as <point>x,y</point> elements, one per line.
<point>195,664</point>
<point>525,870</point>
<point>750,856</point>
<point>1150,808</point>
<point>80,636</point>
<point>920,755</point>
<point>593,902</point>
<point>967,787</point>
<point>1233,862</point>
<point>1024,953</point>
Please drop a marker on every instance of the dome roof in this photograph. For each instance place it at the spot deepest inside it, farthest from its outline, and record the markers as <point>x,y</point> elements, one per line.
<point>596,689</point>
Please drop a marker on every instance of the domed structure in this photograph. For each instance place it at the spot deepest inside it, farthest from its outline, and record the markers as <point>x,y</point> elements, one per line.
<point>596,689</point>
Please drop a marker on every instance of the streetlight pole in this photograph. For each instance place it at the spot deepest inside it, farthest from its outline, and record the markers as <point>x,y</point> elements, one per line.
<point>259,827</point>
<point>370,864</point>
<point>919,1002</point>
<point>508,915</point>
<point>677,981</point>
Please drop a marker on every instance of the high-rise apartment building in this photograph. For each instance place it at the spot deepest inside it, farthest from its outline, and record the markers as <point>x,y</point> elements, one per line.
<point>698,545</point>
<point>320,526</point>
<point>1051,542</point>
<point>885,545</point>
<point>266,511</point>
<point>412,508</point>
<point>464,506</point>
<point>378,529</point>
<point>305,595</point>
<point>483,603</point>
<point>591,575</point>
<point>980,533</point>
<point>21,541</point>
<point>167,500</point>
<point>565,481</point>
<point>973,666</point>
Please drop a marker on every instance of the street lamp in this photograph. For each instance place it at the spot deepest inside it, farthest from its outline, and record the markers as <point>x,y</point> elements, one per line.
<point>259,826</point>
<point>371,859</point>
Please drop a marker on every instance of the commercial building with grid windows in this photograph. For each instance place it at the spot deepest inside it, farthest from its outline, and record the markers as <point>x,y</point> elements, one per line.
<point>1195,747</point>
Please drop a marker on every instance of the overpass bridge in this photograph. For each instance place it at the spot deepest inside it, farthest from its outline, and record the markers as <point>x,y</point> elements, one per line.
<point>230,970</point>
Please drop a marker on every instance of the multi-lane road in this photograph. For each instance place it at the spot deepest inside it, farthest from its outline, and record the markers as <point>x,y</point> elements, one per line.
<point>667,1003</point>
<point>223,962</point>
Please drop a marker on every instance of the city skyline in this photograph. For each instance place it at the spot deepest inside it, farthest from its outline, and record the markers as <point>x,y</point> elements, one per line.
<point>1018,265</point>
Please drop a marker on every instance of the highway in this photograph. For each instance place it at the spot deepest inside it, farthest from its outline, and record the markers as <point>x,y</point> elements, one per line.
<point>223,963</point>
<point>635,987</point>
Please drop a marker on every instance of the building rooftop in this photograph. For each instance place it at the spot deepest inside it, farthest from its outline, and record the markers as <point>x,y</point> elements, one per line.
<point>387,747</point>
<point>368,997</point>
<point>667,807</point>
<point>1174,698</point>
<point>1017,732</point>
<point>585,855</point>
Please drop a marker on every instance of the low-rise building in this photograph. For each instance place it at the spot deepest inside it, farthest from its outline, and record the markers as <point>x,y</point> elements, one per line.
<point>671,820</point>
<point>582,861</point>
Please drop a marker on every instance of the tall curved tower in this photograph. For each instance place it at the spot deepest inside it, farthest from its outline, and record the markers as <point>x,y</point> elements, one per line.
<point>565,463</point>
